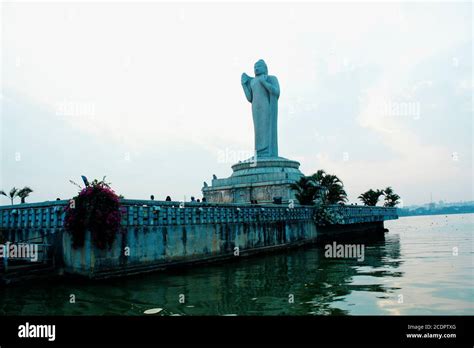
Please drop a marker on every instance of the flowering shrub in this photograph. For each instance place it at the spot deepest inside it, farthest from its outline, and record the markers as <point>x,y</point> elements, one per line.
<point>96,208</point>
<point>324,216</point>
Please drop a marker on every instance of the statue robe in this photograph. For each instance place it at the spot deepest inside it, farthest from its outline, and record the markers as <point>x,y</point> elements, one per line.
<point>265,115</point>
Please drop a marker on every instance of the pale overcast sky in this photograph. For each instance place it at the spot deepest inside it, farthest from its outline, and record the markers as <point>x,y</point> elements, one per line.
<point>149,94</point>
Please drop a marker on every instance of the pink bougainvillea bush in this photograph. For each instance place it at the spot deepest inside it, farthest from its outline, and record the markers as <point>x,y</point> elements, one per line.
<point>96,208</point>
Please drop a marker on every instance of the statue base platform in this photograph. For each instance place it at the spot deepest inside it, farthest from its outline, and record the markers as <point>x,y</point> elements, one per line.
<point>265,180</point>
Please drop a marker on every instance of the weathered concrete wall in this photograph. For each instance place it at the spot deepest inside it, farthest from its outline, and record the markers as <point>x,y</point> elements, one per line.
<point>156,247</point>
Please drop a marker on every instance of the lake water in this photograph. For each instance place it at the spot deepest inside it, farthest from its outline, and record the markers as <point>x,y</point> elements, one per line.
<point>423,266</point>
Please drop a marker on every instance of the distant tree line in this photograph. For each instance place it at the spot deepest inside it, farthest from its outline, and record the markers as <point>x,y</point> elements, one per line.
<point>462,209</point>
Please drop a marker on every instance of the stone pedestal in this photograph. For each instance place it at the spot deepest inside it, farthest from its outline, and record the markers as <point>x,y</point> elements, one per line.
<point>260,180</point>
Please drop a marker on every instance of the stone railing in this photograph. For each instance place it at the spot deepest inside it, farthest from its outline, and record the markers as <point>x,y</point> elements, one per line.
<point>358,213</point>
<point>149,213</point>
<point>47,215</point>
<point>50,215</point>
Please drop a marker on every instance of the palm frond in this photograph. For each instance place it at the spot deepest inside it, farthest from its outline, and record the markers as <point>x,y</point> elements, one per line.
<point>24,192</point>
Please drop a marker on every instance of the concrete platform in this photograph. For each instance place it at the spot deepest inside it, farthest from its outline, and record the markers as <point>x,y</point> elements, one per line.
<point>260,180</point>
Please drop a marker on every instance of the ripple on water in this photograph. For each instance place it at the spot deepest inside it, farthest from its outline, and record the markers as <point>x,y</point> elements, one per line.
<point>415,260</point>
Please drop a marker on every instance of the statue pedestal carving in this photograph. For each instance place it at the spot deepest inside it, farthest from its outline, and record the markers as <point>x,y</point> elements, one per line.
<point>261,181</point>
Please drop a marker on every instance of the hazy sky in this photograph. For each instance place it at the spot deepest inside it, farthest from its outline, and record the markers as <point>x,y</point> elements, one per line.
<point>149,94</point>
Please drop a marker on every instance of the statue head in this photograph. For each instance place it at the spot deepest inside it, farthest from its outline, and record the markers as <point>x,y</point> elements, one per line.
<point>260,68</point>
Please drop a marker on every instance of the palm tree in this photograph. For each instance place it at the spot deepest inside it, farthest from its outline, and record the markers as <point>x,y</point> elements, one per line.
<point>12,194</point>
<point>328,188</point>
<point>319,176</point>
<point>331,187</point>
<point>371,197</point>
<point>23,193</point>
<point>305,190</point>
<point>391,198</point>
<point>335,190</point>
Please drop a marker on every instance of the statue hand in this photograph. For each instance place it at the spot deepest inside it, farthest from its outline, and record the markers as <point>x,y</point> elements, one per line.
<point>244,79</point>
<point>263,78</point>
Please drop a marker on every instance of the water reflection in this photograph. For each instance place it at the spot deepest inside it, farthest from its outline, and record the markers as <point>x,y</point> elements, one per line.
<point>262,285</point>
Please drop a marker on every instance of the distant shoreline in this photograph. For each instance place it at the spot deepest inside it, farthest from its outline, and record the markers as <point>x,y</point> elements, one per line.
<point>404,214</point>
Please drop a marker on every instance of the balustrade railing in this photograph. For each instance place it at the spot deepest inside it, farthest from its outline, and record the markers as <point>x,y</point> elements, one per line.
<point>50,215</point>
